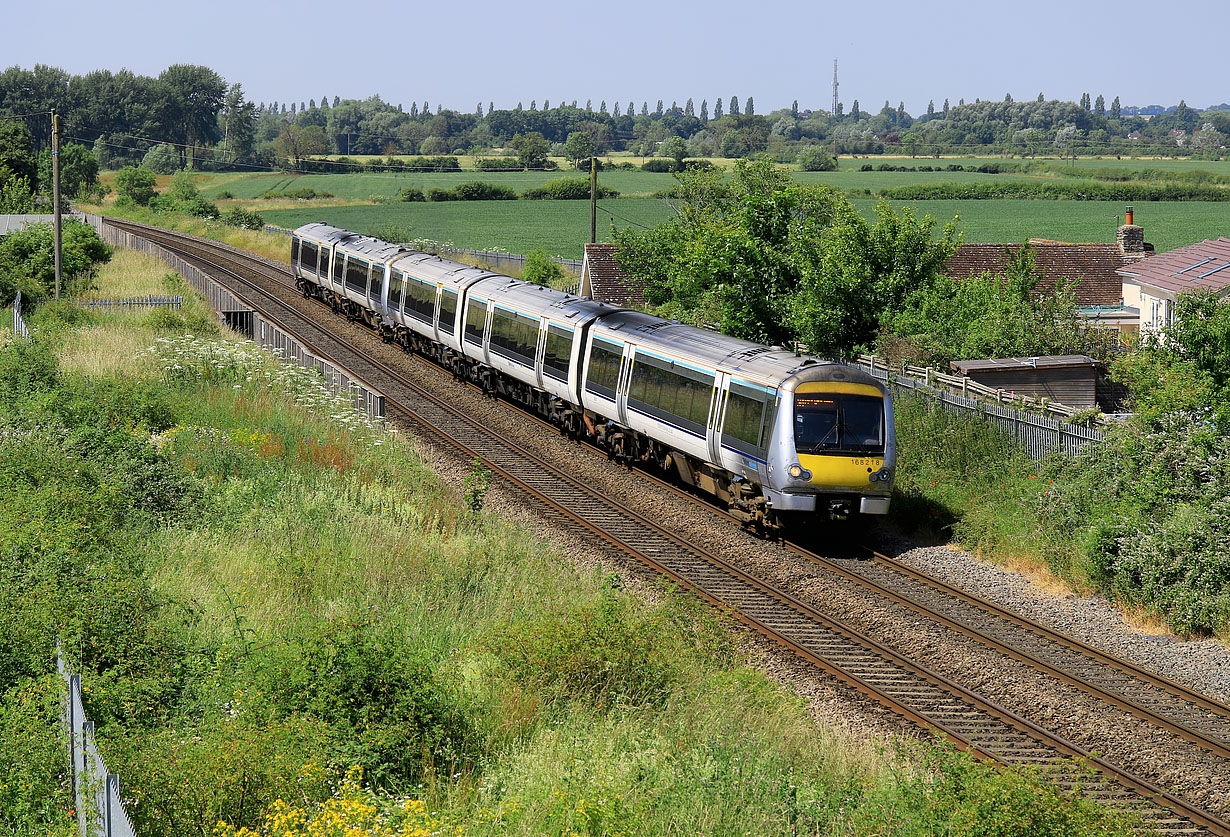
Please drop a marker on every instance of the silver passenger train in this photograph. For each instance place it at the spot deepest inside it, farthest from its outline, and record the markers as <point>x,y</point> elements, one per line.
<point>775,435</point>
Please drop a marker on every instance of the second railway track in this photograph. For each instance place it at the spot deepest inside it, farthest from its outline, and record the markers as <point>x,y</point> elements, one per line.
<point>912,690</point>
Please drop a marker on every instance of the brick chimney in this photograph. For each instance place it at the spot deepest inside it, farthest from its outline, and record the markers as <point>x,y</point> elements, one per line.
<point>1131,239</point>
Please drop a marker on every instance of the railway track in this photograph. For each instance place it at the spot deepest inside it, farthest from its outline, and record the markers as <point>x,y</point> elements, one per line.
<point>921,695</point>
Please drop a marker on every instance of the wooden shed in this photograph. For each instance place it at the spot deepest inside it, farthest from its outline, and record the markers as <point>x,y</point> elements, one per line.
<point>1070,380</point>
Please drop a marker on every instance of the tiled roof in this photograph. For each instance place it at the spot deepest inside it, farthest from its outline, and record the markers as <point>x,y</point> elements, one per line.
<point>1094,264</point>
<point>1201,266</point>
<point>607,280</point>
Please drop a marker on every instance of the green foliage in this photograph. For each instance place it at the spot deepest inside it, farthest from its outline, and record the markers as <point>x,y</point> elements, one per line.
<point>579,148</point>
<point>477,190</point>
<point>303,193</point>
<point>135,184</point>
<point>16,196</point>
<point>532,150</point>
<point>411,194</point>
<point>477,484</point>
<point>182,196</point>
<point>862,273</point>
<point>498,164</point>
<point>34,794</point>
<point>162,159</point>
<point>17,153</point>
<point>237,216</point>
<point>989,316</point>
<point>1088,191</point>
<point>541,269</point>
<point>78,172</point>
<point>27,260</point>
<point>603,653</point>
<point>566,189</point>
<point>816,159</point>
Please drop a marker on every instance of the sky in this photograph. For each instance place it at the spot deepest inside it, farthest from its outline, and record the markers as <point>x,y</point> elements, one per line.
<point>777,51</point>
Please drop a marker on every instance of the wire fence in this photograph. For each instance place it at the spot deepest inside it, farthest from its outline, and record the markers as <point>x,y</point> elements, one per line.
<point>1041,435</point>
<point>96,791</point>
<point>19,323</point>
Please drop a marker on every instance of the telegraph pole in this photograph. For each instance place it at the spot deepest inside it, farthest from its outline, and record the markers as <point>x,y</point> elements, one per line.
<point>55,192</point>
<point>593,200</point>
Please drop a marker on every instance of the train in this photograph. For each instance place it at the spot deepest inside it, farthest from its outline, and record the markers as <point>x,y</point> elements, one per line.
<point>779,437</point>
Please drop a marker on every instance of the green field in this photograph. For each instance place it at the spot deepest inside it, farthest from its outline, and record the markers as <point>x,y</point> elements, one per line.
<point>561,227</point>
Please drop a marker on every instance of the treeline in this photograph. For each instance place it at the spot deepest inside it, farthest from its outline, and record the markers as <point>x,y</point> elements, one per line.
<point>192,117</point>
<point>1083,191</point>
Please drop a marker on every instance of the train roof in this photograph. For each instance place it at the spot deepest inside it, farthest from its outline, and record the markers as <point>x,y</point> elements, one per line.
<point>770,364</point>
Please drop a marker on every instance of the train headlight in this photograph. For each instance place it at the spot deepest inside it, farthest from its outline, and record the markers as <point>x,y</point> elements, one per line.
<point>798,472</point>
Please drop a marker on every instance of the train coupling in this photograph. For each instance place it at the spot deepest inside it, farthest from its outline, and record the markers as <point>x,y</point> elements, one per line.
<point>839,509</point>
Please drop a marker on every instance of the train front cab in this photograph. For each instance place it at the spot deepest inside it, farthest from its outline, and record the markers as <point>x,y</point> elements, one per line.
<point>839,450</point>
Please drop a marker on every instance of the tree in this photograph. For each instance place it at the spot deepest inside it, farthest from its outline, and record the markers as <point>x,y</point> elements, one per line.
<point>1114,108</point>
<point>734,105</point>
<point>135,184</point>
<point>195,96</point>
<point>862,274</point>
<point>750,107</point>
<point>854,114</point>
<point>17,152</point>
<point>945,108</point>
<point>910,140</point>
<point>578,148</point>
<point>532,149</point>
<point>27,259</point>
<point>238,125</point>
<point>163,158</point>
<point>676,148</point>
<point>794,109</point>
<point>704,111</point>
<point>1085,101</point>
<point>734,145</point>
<point>688,108</point>
<point>717,109</point>
<point>295,142</point>
<point>1099,106</point>
<point>16,196</point>
<point>78,171</point>
<point>815,158</point>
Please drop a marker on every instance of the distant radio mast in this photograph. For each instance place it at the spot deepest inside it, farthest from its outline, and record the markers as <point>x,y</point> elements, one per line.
<point>835,102</point>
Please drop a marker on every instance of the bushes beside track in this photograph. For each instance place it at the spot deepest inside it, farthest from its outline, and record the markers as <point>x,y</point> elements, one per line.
<point>281,616</point>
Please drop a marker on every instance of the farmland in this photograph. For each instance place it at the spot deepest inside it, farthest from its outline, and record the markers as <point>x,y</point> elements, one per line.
<point>367,202</point>
<point>561,227</point>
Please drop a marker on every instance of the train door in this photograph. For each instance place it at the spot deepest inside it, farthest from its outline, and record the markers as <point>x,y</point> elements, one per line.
<point>717,415</point>
<point>625,375</point>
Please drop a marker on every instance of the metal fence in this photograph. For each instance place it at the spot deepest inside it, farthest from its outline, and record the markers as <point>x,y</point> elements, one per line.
<point>96,792</point>
<point>19,322</point>
<point>1041,435</point>
<point>239,315</point>
<point>133,303</point>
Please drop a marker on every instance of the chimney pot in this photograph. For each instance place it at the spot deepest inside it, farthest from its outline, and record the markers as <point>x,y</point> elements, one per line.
<point>1128,220</point>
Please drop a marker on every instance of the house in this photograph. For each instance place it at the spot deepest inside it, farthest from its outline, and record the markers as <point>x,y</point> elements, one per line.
<point>604,280</point>
<point>1154,285</point>
<point>1096,267</point>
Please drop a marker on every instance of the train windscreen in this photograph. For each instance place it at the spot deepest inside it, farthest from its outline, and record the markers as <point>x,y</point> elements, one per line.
<point>834,422</point>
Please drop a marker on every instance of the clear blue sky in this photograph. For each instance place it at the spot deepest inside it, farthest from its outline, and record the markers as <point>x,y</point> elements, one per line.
<point>459,53</point>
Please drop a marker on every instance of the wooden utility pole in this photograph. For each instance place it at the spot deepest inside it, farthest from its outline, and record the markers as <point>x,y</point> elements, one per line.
<point>593,200</point>
<point>55,192</point>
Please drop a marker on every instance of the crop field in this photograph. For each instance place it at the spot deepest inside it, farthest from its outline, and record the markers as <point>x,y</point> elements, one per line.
<point>561,227</point>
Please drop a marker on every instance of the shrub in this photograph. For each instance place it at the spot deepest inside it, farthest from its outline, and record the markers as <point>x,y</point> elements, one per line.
<point>480,191</point>
<point>135,184</point>
<point>411,194</point>
<point>435,193</point>
<point>658,165</point>
<point>498,164</point>
<point>162,159</point>
<point>566,189</point>
<point>245,218</point>
<point>541,269</point>
<point>816,159</point>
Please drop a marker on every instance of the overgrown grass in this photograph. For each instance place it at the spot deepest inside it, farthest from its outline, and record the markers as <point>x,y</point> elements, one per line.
<point>264,592</point>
